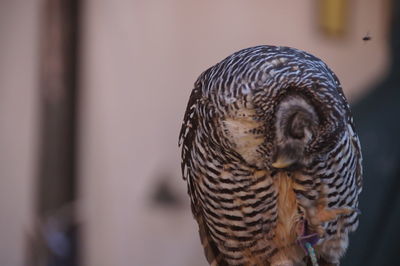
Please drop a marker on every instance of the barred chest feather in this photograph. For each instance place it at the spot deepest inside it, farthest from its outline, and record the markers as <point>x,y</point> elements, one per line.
<point>260,221</point>
<point>255,216</point>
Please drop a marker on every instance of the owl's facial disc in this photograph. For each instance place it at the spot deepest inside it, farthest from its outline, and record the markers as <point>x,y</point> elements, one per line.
<point>296,121</point>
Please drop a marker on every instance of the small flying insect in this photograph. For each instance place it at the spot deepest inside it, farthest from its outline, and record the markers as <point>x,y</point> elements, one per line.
<point>367,37</point>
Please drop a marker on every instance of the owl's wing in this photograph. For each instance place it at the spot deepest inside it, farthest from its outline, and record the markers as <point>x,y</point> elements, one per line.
<point>188,130</point>
<point>356,147</point>
<point>358,157</point>
<point>187,137</point>
<point>213,255</point>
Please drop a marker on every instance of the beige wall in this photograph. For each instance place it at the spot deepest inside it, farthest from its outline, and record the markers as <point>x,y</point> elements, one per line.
<point>18,125</point>
<point>140,59</point>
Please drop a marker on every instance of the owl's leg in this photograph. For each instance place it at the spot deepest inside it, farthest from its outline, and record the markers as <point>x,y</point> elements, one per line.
<point>321,213</point>
<point>332,250</point>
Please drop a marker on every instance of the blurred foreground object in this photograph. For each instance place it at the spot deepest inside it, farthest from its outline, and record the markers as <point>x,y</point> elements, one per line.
<point>56,235</point>
<point>271,159</point>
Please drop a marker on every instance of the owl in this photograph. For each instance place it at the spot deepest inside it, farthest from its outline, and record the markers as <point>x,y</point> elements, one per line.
<point>271,160</point>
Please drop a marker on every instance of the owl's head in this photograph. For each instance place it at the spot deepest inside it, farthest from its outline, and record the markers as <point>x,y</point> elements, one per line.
<point>296,125</point>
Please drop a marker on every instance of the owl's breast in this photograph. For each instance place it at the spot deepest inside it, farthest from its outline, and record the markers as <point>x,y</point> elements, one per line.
<point>290,221</point>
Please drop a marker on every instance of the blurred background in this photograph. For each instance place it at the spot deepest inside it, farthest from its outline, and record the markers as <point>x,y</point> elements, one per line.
<point>92,95</point>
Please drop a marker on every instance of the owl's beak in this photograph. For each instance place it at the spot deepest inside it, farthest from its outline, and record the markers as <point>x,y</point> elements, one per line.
<point>283,162</point>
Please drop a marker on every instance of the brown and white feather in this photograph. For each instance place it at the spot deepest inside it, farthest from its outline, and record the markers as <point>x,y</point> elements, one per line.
<point>253,107</point>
